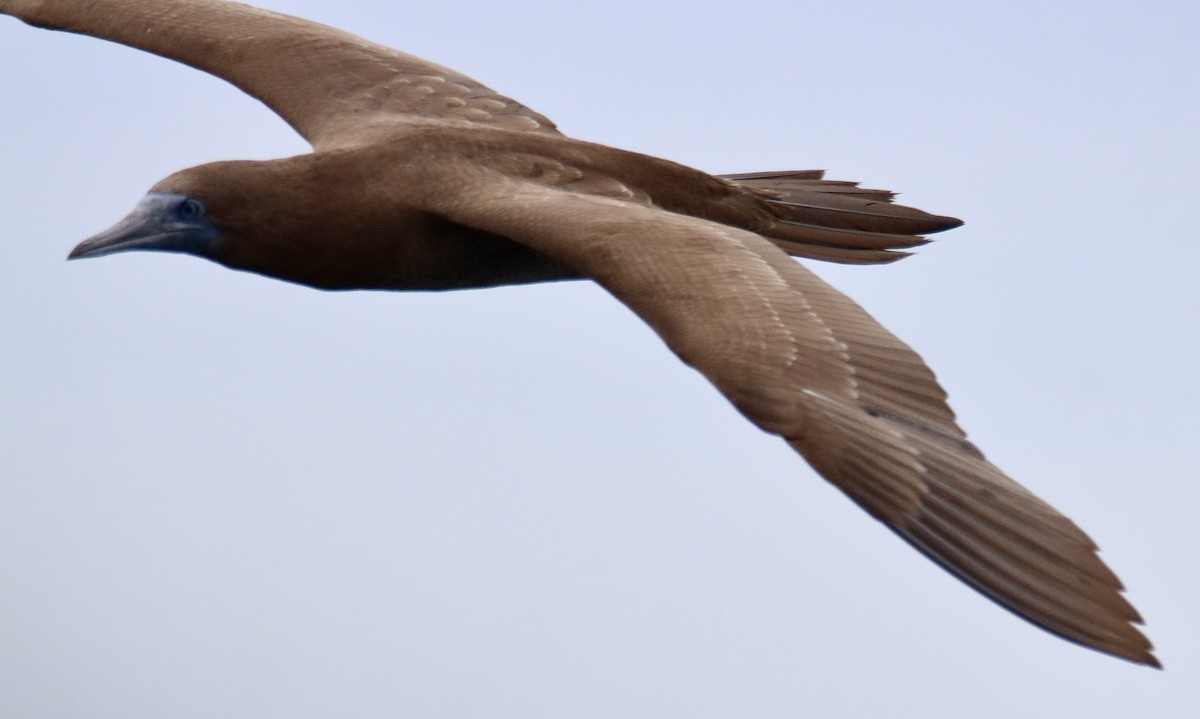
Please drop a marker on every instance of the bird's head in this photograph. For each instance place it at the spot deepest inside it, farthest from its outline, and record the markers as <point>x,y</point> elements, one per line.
<point>162,221</point>
<point>257,216</point>
<point>207,211</point>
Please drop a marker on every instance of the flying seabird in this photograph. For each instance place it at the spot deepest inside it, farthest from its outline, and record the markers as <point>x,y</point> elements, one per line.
<point>423,179</point>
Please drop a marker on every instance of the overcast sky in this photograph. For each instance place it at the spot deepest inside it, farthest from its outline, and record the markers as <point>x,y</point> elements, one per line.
<point>225,496</point>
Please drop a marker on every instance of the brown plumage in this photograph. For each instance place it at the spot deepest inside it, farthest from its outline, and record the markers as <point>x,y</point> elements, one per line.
<point>423,179</point>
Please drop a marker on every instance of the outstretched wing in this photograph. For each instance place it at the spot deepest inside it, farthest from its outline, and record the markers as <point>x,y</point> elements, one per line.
<point>803,361</point>
<point>326,83</point>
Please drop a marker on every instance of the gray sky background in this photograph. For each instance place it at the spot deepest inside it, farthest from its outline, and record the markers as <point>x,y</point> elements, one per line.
<point>227,496</point>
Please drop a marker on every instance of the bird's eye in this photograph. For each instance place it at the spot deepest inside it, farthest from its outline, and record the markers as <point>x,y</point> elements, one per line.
<point>190,209</point>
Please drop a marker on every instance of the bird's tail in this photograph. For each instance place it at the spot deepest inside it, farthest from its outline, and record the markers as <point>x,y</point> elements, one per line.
<point>839,221</point>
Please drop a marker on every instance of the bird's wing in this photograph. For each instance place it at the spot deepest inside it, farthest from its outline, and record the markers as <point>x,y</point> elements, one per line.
<point>803,361</point>
<point>327,84</point>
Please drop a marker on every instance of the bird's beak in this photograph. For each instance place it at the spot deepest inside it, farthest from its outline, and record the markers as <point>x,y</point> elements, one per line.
<point>139,229</point>
<point>153,225</point>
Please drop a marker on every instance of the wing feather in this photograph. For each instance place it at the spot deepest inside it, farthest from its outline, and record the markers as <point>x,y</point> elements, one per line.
<point>803,361</point>
<point>328,84</point>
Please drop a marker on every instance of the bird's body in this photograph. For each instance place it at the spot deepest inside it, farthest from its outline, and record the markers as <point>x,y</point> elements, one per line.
<point>379,243</point>
<point>392,243</point>
<point>277,210</point>
<point>421,179</point>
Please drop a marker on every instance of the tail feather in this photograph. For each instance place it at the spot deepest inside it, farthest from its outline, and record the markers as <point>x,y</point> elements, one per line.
<point>840,255</point>
<point>830,235</point>
<point>836,220</point>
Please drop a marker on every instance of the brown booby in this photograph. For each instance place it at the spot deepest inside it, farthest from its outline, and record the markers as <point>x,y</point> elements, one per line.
<point>423,179</point>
